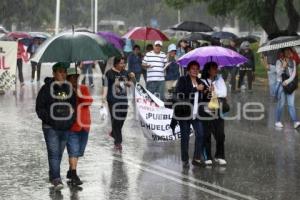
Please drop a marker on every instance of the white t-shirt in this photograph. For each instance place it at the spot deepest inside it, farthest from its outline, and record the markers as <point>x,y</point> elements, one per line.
<point>157,63</point>
<point>219,85</point>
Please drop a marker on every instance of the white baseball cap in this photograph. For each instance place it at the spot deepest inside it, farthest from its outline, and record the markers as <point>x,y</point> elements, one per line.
<point>172,47</point>
<point>158,42</point>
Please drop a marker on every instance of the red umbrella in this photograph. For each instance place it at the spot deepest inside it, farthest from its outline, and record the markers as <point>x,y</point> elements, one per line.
<point>18,35</point>
<point>146,33</point>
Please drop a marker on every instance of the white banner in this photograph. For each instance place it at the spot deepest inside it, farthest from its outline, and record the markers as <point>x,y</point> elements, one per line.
<point>8,63</point>
<point>154,117</point>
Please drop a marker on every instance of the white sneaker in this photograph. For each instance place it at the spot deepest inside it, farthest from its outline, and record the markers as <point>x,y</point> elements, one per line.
<point>208,162</point>
<point>279,125</point>
<point>296,124</point>
<point>220,161</point>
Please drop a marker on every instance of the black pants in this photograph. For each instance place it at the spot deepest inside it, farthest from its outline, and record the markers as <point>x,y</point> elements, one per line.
<point>185,130</point>
<point>117,119</point>
<point>215,127</point>
<point>233,72</point>
<point>249,74</point>
<point>35,67</point>
<point>20,69</point>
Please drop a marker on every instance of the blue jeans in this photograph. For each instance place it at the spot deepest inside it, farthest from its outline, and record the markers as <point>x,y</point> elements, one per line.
<point>281,96</point>
<point>87,71</point>
<point>76,144</point>
<point>56,143</point>
<point>185,129</point>
<point>272,76</point>
<point>157,88</point>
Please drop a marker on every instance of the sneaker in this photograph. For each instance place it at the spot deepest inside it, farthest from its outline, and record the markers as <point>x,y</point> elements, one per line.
<point>296,124</point>
<point>278,125</point>
<point>208,162</point>
<point>32,81</point>
<point>185,164</point>
<point>220,161</point>
<point>92,85</point>
<point>22,84</point>
<point>57,184</point>
<point>75,180</point>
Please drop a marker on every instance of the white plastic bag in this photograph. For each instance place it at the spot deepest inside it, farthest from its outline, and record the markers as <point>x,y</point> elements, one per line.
<point>103,113</point>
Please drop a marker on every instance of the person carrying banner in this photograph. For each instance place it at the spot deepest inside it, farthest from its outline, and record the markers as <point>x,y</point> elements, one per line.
<point>116,82</point>
<point>189,92</point>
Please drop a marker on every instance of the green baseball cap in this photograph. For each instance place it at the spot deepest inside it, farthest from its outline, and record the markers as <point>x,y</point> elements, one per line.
<point>71,71</point>
<point>60,65</point>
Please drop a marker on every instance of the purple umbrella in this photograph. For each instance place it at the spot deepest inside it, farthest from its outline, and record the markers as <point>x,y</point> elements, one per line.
<point>222,56</point>
<point>112,38</point>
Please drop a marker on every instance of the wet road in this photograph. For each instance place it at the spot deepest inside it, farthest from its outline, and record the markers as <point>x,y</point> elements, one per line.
<point>263,163</point>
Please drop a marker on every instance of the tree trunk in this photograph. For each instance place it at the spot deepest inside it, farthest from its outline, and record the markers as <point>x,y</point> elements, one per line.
<point>267,20</point>
<point>293,15</point>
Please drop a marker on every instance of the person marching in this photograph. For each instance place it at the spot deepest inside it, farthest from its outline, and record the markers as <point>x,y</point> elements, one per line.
<point>79,131</point>
<point>216,124</point>
<point>56,106</point>
<point>116,82</point>
<point>189,92</point>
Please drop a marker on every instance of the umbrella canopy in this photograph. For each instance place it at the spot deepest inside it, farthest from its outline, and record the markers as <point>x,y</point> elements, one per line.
<point>198,36</point>
<point>74,47</point>
<point>39,35</point>
<point>112,38</point>
<point>18,35</point>
<point>192,26</point>
<point>249,38</point>
<point>83,30</point>
<point>279,43</point>
<point>224,35</point>
<point>145,33</point>
<point>222,56</point>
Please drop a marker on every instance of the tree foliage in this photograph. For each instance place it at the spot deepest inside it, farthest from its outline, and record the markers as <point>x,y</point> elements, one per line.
<point>258,12</point>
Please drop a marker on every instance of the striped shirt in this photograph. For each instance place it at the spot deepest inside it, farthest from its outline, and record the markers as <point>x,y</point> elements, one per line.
<point>157,63</point>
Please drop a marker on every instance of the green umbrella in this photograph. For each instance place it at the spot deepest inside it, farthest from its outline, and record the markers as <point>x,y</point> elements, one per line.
<point>74,47</point>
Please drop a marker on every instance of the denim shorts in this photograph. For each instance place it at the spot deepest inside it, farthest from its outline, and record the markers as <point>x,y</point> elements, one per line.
<point>77,142</point>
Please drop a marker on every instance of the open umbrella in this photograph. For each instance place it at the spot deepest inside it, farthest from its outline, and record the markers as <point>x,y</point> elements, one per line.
<point>112,38</point>
<point>279,43</point>
<point>18,35</point>
<point>39,35</point>
<point>192,26</point>
<point>145,33</point>
<point>224,35</point>
<point>198,36</point>
<point>222,56</point>
<point>74,47</point>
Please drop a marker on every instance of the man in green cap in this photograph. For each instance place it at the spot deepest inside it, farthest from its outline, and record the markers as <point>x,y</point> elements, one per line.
<point>55,106</point>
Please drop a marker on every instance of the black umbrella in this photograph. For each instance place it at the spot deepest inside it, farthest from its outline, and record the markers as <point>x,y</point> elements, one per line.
<point>198,36</point>
<point>224,35</point>
<point>280,42</point>
<point>192,26</point>
<point>249,38</point>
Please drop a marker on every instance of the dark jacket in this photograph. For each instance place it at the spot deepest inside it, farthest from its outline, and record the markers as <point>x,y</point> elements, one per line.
<point>250,64</point>
<point>45,101</point>
<point>185,92</point>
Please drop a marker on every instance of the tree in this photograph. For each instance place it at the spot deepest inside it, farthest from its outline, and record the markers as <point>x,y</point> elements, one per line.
<point>259,12</point>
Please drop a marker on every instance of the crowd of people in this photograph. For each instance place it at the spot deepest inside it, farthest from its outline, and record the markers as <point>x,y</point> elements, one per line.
<point>67,123</point>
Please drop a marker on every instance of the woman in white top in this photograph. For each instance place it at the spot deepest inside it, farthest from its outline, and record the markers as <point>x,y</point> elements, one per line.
<point>287,65</point>
<point>214,126</point>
